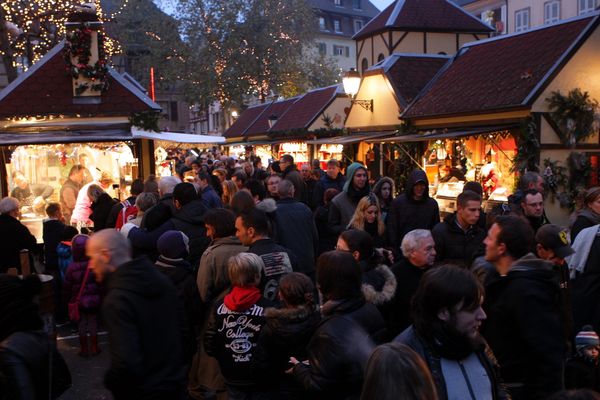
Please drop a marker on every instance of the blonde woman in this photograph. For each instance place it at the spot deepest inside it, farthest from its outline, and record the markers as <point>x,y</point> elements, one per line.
<point>229,189</point>
<point>367,217</point>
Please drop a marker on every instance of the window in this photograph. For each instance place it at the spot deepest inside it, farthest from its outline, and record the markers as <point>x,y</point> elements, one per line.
<point>322,25</point>
<point>337,26</point>
<point>174,111</point>
<point>322,49</point>
<point>341,51</point>
<point>356,5</point>
<point>522,20</point>
<point>551,11</point>
<point>586,6</point>
<point>358,25</point>
<point>364,65</point>
<point>380,57</point>
<point>338,3</point>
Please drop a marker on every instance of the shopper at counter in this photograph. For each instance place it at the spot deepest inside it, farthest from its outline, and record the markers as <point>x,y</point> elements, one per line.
<point>27,193</point>
<point>101,205</point>
<point>70,190</point>
<point>15,235</point>
<point>83,205</point>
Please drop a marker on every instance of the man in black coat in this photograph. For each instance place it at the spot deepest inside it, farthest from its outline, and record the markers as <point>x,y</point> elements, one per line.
<point>137,187</point>
<point>413,209</point>
<point>290,172</point>
<point>15,236</point>
<point>252,229</point>
<point>164,210</point>
<point>418,249</point>
<point>296,228</point>
<point>459,239</point>
<point>524,326</point>
<point>144,322</point>
<point>332,179</point>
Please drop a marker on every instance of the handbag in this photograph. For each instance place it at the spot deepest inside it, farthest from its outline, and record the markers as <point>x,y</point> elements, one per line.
<point>74,305</point>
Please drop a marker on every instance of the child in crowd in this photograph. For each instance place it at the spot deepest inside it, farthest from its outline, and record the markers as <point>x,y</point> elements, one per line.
<point>89,301</point>
<point>235,325</point>
<point>53,228</point>
<point>581,371</point>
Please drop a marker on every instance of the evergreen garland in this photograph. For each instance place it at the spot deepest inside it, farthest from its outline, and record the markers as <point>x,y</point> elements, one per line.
<point>79,46</point>
<point>528,147</point>
<point>574,114</point>
<point>146,120</point>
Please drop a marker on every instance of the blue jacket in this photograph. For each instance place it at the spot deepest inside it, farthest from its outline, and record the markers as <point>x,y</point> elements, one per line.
<point>210,198</point>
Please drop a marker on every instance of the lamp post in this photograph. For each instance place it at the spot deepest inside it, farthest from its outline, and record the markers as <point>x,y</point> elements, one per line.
<point>351,82</point>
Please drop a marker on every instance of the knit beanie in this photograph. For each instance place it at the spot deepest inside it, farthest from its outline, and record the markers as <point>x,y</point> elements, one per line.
<point>18,312</point>
<point>173,245</point>
<point>586,338</point>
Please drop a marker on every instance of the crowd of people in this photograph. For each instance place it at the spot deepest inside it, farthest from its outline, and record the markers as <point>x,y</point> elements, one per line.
<point>229,280</point>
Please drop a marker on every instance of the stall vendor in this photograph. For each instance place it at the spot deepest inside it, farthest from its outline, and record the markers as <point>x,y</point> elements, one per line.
<point>28,193</point>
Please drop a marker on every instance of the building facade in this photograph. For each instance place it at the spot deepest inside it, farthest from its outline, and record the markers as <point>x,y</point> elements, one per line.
<point>338,22</point>
<point>509,16</point>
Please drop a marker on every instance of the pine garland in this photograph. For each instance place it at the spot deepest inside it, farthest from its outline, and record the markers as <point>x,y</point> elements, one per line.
<point>574,114</point>
<point>79,46</point>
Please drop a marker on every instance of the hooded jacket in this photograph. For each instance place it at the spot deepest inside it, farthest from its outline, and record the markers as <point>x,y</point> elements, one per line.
<point>90,297</point>
<point>300,191</point>
<point>232,338</point>
<point>524,327</point>
<point>101,211</point>
<point>278,261</point>
<point>144,326</point>
<point>454,245</point>
<point>344,204</point>
<point>407,214</point>
<point>378,284</point>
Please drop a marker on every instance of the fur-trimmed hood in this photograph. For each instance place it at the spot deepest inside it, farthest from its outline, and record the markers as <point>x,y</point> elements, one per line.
<point>379,285</point>
<point>267,205</point>
<point>290,321</point>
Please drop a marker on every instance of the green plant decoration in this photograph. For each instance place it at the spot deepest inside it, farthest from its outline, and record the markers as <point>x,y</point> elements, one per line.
<point>574,114</point>
<point>528,147</point>
<point>146,120</point>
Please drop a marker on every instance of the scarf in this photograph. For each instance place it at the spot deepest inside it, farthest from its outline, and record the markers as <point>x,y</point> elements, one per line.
<point>452,345</point>
<point>590,214</point>
<point>241,298</point>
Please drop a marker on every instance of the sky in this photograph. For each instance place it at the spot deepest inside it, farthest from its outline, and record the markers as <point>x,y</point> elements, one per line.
<point>381,4</point>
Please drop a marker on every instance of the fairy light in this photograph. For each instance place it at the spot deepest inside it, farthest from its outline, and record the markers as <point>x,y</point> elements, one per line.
<point>41,25</point>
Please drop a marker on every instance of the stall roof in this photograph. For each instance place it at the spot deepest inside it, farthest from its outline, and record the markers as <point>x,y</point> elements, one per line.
<point>79,136</point>
<point>421,137</point>
<point>423,15</point>
<point>45,89</point>
<point>505,72</point>
<point>245,120</point>
<point>177,137</point>
<point>350,138</point>
<point>276,108</point>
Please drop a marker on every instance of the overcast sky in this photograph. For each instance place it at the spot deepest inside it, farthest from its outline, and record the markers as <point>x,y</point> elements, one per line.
<point>381,4</point>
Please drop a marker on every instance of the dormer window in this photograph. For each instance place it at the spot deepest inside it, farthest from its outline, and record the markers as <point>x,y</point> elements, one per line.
<point>322,25</point>
<point>338,3</point>
<point>356,5</point>
<point>337,26</point>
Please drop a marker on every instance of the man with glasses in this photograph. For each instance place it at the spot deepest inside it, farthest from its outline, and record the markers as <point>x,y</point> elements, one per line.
<point>533,209</point>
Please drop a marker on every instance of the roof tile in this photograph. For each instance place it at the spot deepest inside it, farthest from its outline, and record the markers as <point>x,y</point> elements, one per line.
<point>423,15</point>
<point>498,73</point>
<point>304,111</point>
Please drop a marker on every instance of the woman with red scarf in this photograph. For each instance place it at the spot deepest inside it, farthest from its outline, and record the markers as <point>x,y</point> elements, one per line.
<point>234,328</point>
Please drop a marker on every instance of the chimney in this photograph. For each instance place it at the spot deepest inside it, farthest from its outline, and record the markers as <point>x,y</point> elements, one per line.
<point>85,60</point>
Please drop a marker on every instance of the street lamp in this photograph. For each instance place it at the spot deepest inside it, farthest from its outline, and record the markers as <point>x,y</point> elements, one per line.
<point>351,82</point>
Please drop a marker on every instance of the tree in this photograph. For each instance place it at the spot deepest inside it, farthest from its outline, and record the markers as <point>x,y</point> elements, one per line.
<point>30,28</point>
<point>251,47</point>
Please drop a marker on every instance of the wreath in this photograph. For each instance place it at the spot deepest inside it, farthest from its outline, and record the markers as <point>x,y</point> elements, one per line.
<point>575,114</point>
<point>79,47</point>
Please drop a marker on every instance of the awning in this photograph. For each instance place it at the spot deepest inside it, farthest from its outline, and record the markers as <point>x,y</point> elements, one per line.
<point>362,137</point>
<point>421,137</point>
<point>177,137</point>
<point>65,137</point>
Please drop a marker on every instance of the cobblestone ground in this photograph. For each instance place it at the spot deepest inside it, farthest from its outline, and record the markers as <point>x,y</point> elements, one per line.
<point>86,373</point>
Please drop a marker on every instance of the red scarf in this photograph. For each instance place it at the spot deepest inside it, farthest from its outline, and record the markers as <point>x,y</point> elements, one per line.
<point>241,298</point>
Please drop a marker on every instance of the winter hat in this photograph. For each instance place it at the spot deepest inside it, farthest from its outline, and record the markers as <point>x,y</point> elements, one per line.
<point>586,338</point>
<point>173,245</point>
<point>553,237</point>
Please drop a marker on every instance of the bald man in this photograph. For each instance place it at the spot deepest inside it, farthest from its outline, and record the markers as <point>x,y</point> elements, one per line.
<point>143,319</point>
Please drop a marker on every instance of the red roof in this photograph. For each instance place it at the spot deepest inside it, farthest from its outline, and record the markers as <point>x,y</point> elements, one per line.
<point>294,113</point>
<point>500,73</point>
<point>423,15</point>
<point>261,125</point>
<point>46,89</point>
<point>244,121</point>
<point>409,74</point>
<point>306,109</point>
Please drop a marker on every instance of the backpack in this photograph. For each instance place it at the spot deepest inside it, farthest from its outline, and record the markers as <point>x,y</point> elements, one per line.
<point>127,213</point>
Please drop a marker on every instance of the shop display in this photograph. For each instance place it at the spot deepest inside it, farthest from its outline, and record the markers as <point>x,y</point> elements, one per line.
<point>36,174</point>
